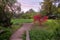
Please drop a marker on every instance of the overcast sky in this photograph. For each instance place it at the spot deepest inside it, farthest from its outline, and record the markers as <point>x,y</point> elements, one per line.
<point>28,4</point>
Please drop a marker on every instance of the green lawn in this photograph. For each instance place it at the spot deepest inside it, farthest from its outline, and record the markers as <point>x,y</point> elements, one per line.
<point>21,21</point>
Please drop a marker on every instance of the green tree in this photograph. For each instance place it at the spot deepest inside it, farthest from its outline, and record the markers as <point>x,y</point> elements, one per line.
<point>5,13</point>
<point>47,6</point>
<point>29,14</point>
<point>16,10</point>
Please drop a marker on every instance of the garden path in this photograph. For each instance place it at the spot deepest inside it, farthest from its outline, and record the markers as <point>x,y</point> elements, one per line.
<point>18,34</point>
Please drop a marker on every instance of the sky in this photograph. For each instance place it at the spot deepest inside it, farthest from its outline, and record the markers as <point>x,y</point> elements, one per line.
<point>28,4</point>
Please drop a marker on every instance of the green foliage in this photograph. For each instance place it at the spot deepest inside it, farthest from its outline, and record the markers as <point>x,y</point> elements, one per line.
<point>45,35</point>
<point>15,21</point>
<point>49,7</point>
<point>52,24</point>
<point>24,36</point>
<point>28,15</point>
<point>7,1</point>
<point>57,33</point>
<point>40,35</point>
<point>5,15</point>
<point>6,34</point>
<point>43,12</point>
<point>47,4</point>
<point>50,31</point>
<point>5,19</point>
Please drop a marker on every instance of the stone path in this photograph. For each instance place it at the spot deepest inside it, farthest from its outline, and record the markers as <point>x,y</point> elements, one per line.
<point>18,34</point>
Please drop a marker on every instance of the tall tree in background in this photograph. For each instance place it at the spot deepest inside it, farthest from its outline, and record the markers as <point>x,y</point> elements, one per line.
<point>29,14</point>
<point>5,12</point>
<point>47,6</point>
<point>50,8</point>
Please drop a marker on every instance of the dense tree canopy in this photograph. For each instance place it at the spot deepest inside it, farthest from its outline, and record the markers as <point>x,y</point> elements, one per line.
<point>6,12</point>
<point>50,7</point>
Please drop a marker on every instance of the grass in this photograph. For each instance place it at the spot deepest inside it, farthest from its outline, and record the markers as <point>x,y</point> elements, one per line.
<point>49,31</point>
<point>39,35</point>
<point>16,21</point>
<point>15,27</point>
<point>24,36</point>
<point>52,24</point>
<point>6,34</point>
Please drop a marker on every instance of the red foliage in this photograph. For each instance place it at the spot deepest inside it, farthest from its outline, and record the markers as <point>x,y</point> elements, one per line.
<point>37,18</point>
<point>40,19</point>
